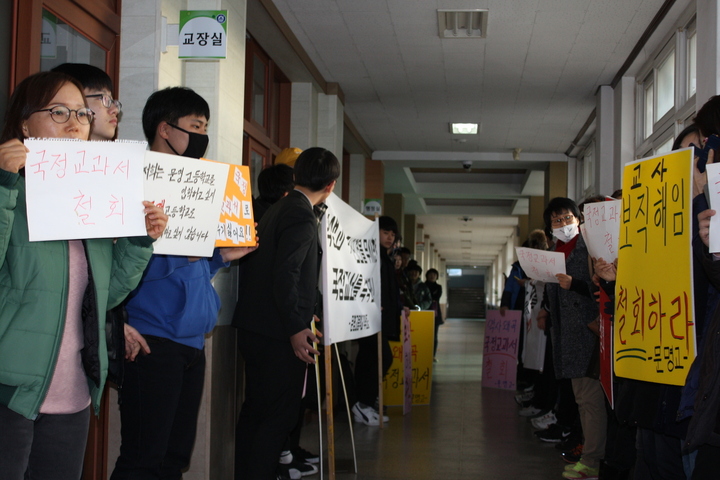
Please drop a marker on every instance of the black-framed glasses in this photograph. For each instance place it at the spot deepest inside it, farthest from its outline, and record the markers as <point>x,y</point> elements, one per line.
<point>106,100</point>
<point>564,220</point>
<point>61,114</point>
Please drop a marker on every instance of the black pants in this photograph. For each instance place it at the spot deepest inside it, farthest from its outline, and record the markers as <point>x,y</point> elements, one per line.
<point>159,405</point>
<point>51,447</point>
<point>366,368</point>
<point>274,379</point>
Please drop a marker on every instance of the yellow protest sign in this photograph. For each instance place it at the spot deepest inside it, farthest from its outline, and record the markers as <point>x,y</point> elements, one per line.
<point>422,338</point>
<point>236,226</point>
<point>654,337</point>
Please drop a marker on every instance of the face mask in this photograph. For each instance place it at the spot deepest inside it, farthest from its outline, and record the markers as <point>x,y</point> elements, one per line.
<point>197,143</point>
<point>566,233</point>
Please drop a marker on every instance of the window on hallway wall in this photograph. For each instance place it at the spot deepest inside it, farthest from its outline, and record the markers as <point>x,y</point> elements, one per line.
<point>666,88</point>
<point>585,172</point>
<point>267,109</point>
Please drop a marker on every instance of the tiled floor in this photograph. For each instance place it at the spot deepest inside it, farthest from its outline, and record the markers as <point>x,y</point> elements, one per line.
<point>466,433</point>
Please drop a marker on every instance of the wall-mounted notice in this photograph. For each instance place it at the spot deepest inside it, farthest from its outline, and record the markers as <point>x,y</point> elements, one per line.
<point>80,189</point>
<point>540,264</point>
<point>236,227</point>
<point>191,193</point>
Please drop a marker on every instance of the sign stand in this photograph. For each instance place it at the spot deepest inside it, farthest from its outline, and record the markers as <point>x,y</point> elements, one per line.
<point>380,380</point>
<point>329,413</point>
<point>347,408</point>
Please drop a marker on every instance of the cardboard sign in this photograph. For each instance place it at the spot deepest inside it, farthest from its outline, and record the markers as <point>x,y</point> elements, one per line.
<point>422,339</point>
<point>500,349</point>
<point>350,273</point>
<point>81,189</point>
<point>541,265</point>
<point>654,338</point>
<point>236,227</point>
<point>601,229</point>
<point>191,193</point>
<point>713,174</point>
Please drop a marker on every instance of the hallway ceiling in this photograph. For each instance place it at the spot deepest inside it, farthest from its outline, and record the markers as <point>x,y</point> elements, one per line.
<point>530,84</point>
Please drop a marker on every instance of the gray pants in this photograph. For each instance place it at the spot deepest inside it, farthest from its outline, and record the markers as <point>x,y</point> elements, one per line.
<point>590,399</point>
<point>51,447</point>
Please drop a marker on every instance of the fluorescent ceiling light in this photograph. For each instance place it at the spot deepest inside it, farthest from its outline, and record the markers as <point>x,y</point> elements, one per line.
<point>464,128</point>
<point>470,23</point>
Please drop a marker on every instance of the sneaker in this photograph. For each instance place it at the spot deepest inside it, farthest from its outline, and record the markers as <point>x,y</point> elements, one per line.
<point>284,472</point>
<point>553,434</point>
<point>364,414</point>
<point>286,457</point>
<point>580,471</point>
<point>300,469</point>
<point>529,411</point>
<point>523,397</point>
<point>544,421</point>
<point>574,455</point>
<point>302,455</point>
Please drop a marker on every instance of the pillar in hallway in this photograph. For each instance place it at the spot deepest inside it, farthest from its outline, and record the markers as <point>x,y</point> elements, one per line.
<point>303,115</point>
<point>604,142</point>
<point>624,135</point>
<point>555,181</point>
<point>535,218</point>
<point>708,49</point>
<point>394,206</point>
<point>419,239</point>
<point>374,180</point>
<point>408,232</point>
<point>523,227</point>
<point>356,193</point>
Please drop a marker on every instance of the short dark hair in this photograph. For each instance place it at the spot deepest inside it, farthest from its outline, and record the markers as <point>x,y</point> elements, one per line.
<point>316,168</point>
<point>170,105</point>
<point>388,224</point>
<point>707,118</point>
<point>89,76</point>
<point>405,250</point>
<point>556,206</point>
<point>413,266</point>
<point>274,182</point>
<point>432,270</point>
<point>33,93</point>
<point>689,130</point>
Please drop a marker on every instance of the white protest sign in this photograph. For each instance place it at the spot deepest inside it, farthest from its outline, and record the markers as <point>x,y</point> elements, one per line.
<point>350,274</point>
<point>80,189</point>
<point>191,193</point>
<point>601,229</point>
<point>540,264</point>
<point>713,179</point>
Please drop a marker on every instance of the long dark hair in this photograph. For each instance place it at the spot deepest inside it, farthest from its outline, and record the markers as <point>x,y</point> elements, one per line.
<point>33,93</point>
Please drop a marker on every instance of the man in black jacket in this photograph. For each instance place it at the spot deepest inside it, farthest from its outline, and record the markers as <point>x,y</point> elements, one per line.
<point>275,310</point>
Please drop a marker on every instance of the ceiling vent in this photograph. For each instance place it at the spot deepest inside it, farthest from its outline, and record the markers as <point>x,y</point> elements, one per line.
<point>463,23</point>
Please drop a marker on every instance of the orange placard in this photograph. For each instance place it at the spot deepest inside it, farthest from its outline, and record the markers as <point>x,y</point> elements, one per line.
<point>236,226</point>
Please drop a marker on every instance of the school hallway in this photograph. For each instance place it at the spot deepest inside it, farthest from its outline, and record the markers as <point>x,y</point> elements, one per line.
<point>467,432</point>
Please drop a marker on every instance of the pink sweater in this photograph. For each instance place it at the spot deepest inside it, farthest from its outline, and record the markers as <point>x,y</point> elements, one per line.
<point>68,392</point>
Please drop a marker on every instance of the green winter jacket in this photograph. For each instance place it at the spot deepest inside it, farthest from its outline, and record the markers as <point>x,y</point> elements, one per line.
<point>33,301</point>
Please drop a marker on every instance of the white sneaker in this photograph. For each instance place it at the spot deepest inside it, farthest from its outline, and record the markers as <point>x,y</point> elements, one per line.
<point>529,411</point>
<point>286,457</point>
<point>364,414</point>
<point>544,421</point>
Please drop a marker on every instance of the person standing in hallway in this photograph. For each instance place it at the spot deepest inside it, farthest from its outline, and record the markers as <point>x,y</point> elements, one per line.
<point>420,291</point>
<point>366,363</point>
<point>174,307</point>
<point>575,347</point>
<point>279,299</point>
<point>53,360</point>
<point>431,277</point>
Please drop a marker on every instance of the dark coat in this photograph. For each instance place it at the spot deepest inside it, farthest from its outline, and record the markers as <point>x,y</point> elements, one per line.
<point>573,342</point>
<point>389,298</point>
<point>278,288</point>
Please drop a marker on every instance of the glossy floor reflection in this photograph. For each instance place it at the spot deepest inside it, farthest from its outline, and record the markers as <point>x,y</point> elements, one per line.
<point>466,433</point>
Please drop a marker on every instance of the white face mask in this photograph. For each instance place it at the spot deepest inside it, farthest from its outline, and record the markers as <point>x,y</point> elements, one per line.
<point>566,233</point>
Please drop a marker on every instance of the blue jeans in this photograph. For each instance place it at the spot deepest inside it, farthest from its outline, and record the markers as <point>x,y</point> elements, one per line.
<point>51,447</point>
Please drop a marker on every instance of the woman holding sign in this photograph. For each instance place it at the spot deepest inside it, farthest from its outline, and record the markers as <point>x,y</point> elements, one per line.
<point>571,309</point>
<point>53,298</point>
